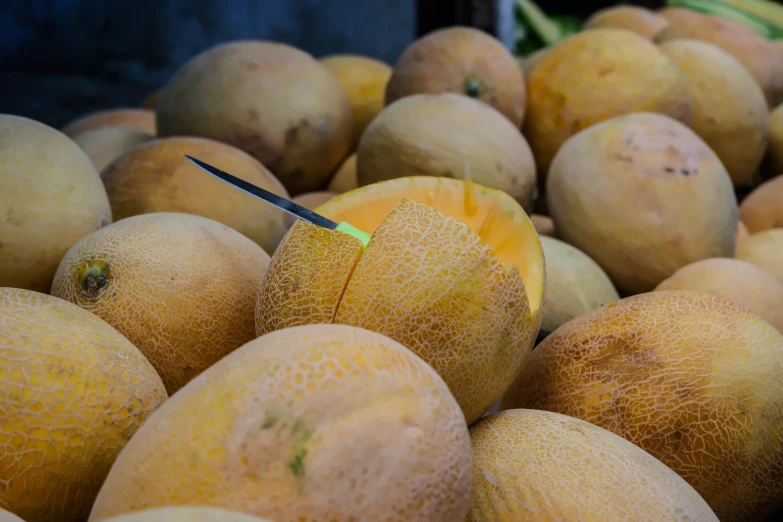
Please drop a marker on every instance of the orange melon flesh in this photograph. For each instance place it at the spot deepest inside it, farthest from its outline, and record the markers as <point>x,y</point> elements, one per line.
<point>493,215</point>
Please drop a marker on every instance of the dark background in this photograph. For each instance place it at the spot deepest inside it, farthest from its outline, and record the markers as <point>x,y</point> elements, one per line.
<point>60,59</point>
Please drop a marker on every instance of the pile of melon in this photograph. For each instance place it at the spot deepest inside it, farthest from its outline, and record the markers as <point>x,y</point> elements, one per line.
<point>570,306</point>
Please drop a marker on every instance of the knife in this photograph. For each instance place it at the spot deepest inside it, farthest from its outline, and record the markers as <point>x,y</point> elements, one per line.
<point>284,204</point>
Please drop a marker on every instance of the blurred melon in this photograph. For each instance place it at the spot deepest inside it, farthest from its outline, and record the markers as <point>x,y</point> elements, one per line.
<point>593,76</point>
<point>764,249</point>
<point>364,80</point>
<point>269,99</point>
<point>180,287</point>
<point>105,144</point>
<point>345,178</point>
<point>530,61</point>
<point>773,162</point>
<point>541,466</point>
<point>729,109</point>
<point>152,99</point>
<point>51,196</point>
<point>6,516</point>
<point>461,60</point>
<point>759,56</point>
<point>694,379</point>
<point>575,284</point>
<point>642,195</point>
<point>634,18</point>
<point>762,209</point>
<point>454,271</point>
<point>543,225</point>
<point>184,514</point>
<point>742,231</point>
<point>73,391</point>
<point>157,177</point>
<point>320,422</point>
<point>141,119</point>
<point>447,135</point>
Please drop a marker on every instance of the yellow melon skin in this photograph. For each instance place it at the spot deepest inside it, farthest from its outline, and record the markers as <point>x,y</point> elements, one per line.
<point>764,249</point>
<point>73,391</point>
<point>642,195</point>
<point>185,514</point>
<point>345,179</point>
<point>141,119</point>
<point>596,75</point>
<point>759,56</point>
<point>762,209</point>
<point>51,196</point>
<point>364,80</point>
<point>729,109</point>
<point>6,516</point>
<point>180,287</point>
<point>157,177</point>
<point>447,135</point>
<point>637,19</point>
<point>575,284</point>
<point>542,466</point>
<point>105,144</point>
<point>317,423</point>
<point>468,304</point>
<point>461,60</point>
<point>271,100</point>
<point>692,378</point>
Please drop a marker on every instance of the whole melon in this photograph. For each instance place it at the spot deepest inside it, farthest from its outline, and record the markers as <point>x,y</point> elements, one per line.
<point>73,391</point>
<point>528,62</point>
<point>269,99</point>
<point>634,18</point>
<point>773,162</point>
<point>762,209</point>
<point>454,271</point>
<point>642,195</point>
<point>744,283</point>
<point>180,287</point>
<point>319,422</point>
<point>593,76</point>
<point>461,60</point>
<point>6,516</point>
<point>51,196</point>
<point>184,514</point>
<point>364,80</point>
<point>141,119</point>
<point>742,231</point>
<point>105,144</point>
<point>575,284</point>
<point>345,178</point>
<point>729,109</point>
<point>759,56</point>
<point>541,466</point>
<point>694,379</point>
<point>157,177</point>
<point>447,135</point>
<point>764,249</point>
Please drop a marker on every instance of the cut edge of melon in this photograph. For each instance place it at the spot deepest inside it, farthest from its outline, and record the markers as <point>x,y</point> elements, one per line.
<point>366,207</point>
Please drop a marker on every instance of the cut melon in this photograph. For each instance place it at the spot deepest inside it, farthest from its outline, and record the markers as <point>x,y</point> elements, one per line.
<point>454,271</point>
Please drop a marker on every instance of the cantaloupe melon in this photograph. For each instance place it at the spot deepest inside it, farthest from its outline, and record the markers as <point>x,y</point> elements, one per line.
<point>762,209</point>
<point>575,284</point>
<point>593,76</point>
<point>271,100</point>
<point>447,135</point>
<point>729,109</point>
<point>759,56</point>
<point>180,287</point>
<point>744,283</point>
<point>634,18</point>
<point>51,196</point>
<point>364,80</point>
<point>642,195</point>
<point>454,271</point>
<point>105,144</point>
<point>461,60</point>
<point>773,162</point>
<point>345,178</point>
<point>542,466</point>
<point>157,177</point>
<point>73,391</point>
<point>694,379</point>
<point>185,514</point>
<point>318,422</point>
<point>6,516</point>
<point>142,119</point>
<point>764,249</point>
